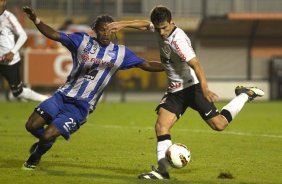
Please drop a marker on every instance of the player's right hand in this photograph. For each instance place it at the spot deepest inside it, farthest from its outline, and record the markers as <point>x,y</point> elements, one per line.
<point>210,96</point>
<point>29,12</point>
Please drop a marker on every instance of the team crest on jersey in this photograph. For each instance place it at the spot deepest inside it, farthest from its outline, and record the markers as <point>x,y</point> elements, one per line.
<point>94,48</point>
<point>166,50</point>
<point>91,48</point>
<point>112,54</point>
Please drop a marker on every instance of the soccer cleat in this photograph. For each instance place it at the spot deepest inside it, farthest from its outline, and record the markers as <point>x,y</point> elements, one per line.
<point>28,167</point>
<point>154,175</point>
<point>33,159</point>
<point>30,164</point>
<point>252,92</point>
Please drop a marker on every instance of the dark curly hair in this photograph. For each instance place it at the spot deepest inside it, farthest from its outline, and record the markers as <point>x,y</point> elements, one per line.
<point>101,20</point>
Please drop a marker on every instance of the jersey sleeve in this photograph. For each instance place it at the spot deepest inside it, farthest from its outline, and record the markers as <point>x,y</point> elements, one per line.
<point>130,60</point>
<point>71,41</point>
<point>184,48</point>
<point>16,26</point>
<point>19,31</point>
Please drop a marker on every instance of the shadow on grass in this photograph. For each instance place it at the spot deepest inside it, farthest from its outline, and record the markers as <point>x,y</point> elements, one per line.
<point>76,170</point>
<point>83,170</point>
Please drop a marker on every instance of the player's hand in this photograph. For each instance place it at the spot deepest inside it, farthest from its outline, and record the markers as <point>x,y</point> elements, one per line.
<point>8,57</point>
<point>114,27</point>
<point>30,13</point>
<point>210,96</point>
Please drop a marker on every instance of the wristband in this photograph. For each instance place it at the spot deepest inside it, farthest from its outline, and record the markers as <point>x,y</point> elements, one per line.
<point>151,27</point>
<point>37,20</point>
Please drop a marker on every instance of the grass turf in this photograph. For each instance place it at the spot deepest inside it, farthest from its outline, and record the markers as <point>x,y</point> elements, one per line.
<point>118,142</point>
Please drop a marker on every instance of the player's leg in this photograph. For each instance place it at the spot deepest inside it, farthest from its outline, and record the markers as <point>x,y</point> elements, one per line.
<point>206,109</point>
<point>169,110</point>
<point>29,94</point>
<point>46,141</point>
<point>42,115</point>
<point>71,117</point>
<point>65,124</point>
<point>165,122</point>
<point>35,124</point>
<point>163,125</point>
<point>229,111</point>
<point>44,144</point>
<point>12,74</point>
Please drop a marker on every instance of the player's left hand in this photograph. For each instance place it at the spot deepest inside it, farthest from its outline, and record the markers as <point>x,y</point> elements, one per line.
<point>114,27</point>
<point>8,57</point>
<point>30,13</point>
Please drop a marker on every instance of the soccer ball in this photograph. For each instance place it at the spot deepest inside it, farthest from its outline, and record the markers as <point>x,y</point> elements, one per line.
<point>178,155</point>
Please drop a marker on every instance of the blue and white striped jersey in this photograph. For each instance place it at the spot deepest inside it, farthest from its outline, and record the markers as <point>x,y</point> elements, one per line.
<point>93,66</point>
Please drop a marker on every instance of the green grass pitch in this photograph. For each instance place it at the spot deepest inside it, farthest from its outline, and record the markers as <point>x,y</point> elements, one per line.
<point>118,142</point>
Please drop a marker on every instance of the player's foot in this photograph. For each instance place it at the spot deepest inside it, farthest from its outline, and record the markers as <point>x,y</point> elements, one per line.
<point>31,163</point>
<point>252,92</point>
<point>33,159</point>
<point>28,167</point>
<point>154,175</point>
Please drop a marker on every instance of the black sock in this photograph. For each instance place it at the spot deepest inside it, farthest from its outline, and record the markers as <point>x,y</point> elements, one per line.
<point>40,150</point>
<point>227,115</point>
<point>163,137</point>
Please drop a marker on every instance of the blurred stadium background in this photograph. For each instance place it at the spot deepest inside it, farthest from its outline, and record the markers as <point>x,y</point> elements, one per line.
<point>237,41</point>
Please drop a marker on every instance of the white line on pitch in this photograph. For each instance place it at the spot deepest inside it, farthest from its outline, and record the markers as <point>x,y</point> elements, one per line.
<point>192,130</point>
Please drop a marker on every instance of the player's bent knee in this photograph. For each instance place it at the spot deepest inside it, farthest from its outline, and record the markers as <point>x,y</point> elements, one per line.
<point>217,123</point>
<point>30,126</point>
<point>219,128</point>
<point>27,127</point>
<point>50,134</point>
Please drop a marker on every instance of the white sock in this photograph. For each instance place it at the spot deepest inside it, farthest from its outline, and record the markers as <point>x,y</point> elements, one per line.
<point>29,94</point>
<point>161,149</point>
<point>235,105</point>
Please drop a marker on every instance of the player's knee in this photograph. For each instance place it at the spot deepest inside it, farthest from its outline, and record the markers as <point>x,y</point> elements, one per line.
<point>27,127</point>
<point>48,136</point>
<point>217,123</point>
<point>30,126</point>
<point>218,128</point>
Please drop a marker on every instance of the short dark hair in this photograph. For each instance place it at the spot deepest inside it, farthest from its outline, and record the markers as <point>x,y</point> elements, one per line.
<point>160,14</point>
<point>101,20</point>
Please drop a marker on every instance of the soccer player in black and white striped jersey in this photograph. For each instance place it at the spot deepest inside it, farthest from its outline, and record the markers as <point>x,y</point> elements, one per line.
<point>187,85</point>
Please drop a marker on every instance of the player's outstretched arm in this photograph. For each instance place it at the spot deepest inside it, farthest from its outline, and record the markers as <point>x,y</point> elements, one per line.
<point>42,27</point>
<point>151,66</point>
<point>135,24</point>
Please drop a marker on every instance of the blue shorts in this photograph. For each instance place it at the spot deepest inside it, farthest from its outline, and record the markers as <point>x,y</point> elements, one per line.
<point>66,113</point>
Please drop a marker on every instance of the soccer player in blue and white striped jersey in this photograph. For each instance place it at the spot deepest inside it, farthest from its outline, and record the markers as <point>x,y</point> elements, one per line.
<point>95,61</point>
